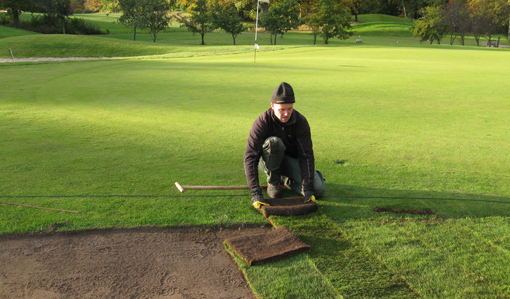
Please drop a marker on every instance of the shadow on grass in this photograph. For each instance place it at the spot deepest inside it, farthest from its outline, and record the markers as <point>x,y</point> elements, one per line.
<point>350,202</point>
<point>352,269</point>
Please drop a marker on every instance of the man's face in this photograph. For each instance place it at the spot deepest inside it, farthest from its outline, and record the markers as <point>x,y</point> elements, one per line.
<point>283,111</point>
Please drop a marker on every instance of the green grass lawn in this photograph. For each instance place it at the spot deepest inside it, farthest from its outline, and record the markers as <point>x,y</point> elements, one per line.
<point>10,32</point>
<point>404,126</point>
<point>382,18</point>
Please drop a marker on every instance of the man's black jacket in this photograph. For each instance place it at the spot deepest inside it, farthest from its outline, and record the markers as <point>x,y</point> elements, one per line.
<point>296,136</point>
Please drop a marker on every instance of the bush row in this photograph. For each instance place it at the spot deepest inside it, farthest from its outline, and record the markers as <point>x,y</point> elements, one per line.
<point>48,24</point>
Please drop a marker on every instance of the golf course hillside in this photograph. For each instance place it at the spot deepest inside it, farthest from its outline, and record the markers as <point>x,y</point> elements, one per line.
<point>411,138</point>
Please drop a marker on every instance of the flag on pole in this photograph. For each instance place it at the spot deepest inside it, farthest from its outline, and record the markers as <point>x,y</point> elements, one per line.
<point>256,26</point>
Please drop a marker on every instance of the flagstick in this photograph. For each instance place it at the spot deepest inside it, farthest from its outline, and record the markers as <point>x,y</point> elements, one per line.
<point>257,29</point>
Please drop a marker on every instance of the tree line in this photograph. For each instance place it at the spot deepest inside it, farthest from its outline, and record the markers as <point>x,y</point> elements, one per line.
<point>54,18</point>
<point>434,19</point>
<point>327,18</point>
<point>460,17</point>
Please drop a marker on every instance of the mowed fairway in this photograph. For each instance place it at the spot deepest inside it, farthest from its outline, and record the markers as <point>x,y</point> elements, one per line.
<point>410,125</point>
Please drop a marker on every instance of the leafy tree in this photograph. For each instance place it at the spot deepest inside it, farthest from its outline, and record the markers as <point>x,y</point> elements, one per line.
<point>281,18</point>
<point>110,6</point>
<point>431,26</point>
<point>457,18</point>
<point>77,6</point>
<point>477,25</point>
<point>93,5</point>
<point>335,20</point>
<point>357,5</point>
<point>56,12</point>
<point>133,13</point>
<point>228,19</point>
<point>17,7</point>
<point>489,16</point>
<point>413,7</point>
<point>201,20</point>
<point>156,17</point>
<point>400,2</point>
<point>62,10</point>
<point>313,21</point>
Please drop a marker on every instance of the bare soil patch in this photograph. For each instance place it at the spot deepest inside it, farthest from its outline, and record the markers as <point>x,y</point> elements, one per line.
<point>146,262</point>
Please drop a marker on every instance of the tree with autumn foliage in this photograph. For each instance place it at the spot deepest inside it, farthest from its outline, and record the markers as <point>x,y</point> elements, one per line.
<point>489,16</point>
<point>458,20</point>
<point>110,6</point>
<point>93,5</point>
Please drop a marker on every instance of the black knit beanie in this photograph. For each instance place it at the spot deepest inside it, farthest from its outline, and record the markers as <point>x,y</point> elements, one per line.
<point>283,94</point>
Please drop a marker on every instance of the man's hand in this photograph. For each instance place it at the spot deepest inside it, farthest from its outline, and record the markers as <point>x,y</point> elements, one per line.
<point>309,196</point>
<point>257,200</point>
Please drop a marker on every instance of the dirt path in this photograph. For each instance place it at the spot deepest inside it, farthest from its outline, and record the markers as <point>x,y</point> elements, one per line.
<point>123,263</point>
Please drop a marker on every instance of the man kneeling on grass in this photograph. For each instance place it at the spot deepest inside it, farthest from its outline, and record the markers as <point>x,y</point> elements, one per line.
<point>280,145</point>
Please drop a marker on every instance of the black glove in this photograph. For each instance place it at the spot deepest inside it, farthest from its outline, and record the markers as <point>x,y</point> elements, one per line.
<point>309,196</point>
<point>257,200</point>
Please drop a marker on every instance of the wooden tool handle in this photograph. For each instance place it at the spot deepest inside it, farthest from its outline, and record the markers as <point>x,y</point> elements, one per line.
<point>179,187</point>
<point>183,188</point>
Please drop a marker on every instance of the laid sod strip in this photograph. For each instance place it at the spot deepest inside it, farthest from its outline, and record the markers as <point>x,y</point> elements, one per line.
<point>448,254</point>
<point>350,267</point>
<point>294,277</point>
<point>465,258</point>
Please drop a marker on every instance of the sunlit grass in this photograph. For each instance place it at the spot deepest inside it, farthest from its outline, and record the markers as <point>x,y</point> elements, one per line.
<point>383,18</point>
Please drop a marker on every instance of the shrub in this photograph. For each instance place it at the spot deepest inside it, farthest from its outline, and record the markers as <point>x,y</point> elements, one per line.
<point>48,24</point>
<point>4,19</point>
<point>81,26</point>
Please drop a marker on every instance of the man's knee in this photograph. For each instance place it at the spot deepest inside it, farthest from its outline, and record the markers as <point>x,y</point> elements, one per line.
<point>274,146</point>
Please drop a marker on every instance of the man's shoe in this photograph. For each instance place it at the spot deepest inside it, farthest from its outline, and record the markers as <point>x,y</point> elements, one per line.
<point>309,196</point>
<point>273,191</point>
